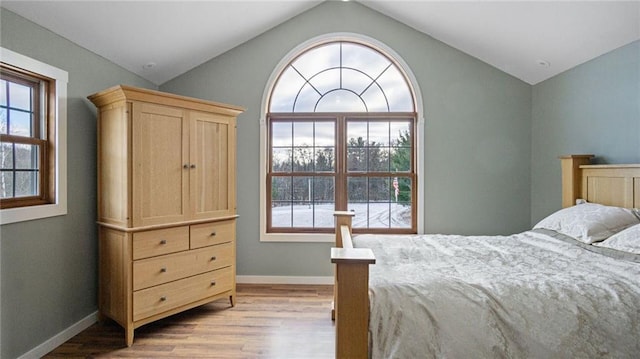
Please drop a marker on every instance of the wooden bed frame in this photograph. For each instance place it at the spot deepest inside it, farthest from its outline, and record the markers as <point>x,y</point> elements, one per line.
<point>614,185</point>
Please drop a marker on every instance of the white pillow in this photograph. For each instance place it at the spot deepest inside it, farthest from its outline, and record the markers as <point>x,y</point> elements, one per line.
<point>627,240</point>
<point>589,222</point>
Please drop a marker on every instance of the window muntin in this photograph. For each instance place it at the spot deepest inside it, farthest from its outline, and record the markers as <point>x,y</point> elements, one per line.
<point>367,97</point>
<point>24,162</point>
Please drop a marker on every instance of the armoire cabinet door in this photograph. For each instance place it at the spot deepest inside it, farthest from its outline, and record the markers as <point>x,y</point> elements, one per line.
<point>212,150</point>
<point>160,164</point>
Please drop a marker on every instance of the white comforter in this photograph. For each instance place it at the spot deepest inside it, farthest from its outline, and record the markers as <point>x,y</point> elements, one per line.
<point>521,296</point>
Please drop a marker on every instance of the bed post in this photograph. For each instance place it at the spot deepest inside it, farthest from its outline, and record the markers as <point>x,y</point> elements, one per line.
<point>571,179</point>
<point>351,292</point>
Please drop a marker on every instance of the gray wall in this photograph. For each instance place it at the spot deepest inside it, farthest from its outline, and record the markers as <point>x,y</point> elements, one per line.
<point>49,266</point>
<point>477,133</point>
<point>593,108</point>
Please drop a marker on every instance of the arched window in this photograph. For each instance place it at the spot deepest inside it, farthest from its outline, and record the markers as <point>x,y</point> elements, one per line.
<point>341,129</point>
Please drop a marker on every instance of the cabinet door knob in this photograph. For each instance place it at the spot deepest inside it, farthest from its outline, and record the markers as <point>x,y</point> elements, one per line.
<point>213,282</point>
<point>163,298</point>
<point>213,258</point>
<point>163,241</point>
<point>163,269</point>
<point>213,234</point>
<point>185,166</point>
<point>193,166</point>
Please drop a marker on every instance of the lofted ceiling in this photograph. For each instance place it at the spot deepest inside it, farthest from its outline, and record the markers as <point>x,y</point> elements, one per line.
<point>159,40</point>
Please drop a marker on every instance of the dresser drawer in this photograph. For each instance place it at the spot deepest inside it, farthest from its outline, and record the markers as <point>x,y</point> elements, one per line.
<point>158,270</point>
<point>160,241</point>
<point>212,233</point>
<point>155,300</point>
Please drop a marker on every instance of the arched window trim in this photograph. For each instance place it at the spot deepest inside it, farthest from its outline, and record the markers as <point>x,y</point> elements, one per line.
<point>266,101</point>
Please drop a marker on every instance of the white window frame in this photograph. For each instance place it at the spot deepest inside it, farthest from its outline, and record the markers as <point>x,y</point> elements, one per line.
<point>286,60</point>
<point>61,77</point>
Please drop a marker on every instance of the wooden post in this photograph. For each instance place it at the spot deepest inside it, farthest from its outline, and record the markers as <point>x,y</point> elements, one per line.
<point>571,182</point>
<point>352,301</point>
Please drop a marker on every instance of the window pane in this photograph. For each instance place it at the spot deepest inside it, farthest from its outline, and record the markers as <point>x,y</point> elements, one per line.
<point>306,100</point>
<point>281,214</point>
<point>378,159</point>
<point>303,159</point>
<point>281,159</point>
<point>400,133</point>
<point>26,183</point>
<point>356,133</point>
<point>326,81</point>
<point>285,91</point>
<point>302,202</point>
<point>280,189</point>
<point>3,121</point>
<point>357,189</point>
<point>325,159</point>
<point>323,189</point>
<point>363,58</point>
<point>355,81</point>
<point>379,215</point>
<point>26,156</point>
<point>400,159</point>
<point>3,93</point>
<point>303,134</point>
<point>401,215</point>
<point>379,133</point>
<point>341,101</point>
<point>397,90</point>
<point>281,134</point>
<point>323,214</point>
<point>19,96</point>
<point>379,189</point>
<point>356,159</point>
<point>375,99</point>
<point>325,133</point>
<point>19,123</point>
<point>318,59</point>
<point>6,156</point>
<point>6,184</point>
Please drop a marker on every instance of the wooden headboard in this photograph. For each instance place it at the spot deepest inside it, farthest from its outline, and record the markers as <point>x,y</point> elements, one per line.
<point>613,185</point>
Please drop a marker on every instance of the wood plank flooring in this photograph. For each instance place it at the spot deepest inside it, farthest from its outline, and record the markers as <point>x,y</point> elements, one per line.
<point>268,321</point>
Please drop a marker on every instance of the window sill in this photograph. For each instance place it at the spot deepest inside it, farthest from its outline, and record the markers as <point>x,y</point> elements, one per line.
<point>298,237</point>
<point>22,214</point>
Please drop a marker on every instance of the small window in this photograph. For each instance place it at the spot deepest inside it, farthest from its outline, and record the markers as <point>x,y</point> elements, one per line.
<point>32,139</point>
<point>24,120</point>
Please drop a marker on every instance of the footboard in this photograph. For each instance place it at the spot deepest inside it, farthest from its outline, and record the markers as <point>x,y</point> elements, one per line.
<point>351,291</point>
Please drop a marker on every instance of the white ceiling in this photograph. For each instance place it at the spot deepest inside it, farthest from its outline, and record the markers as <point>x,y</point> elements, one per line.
<point>514,36</point>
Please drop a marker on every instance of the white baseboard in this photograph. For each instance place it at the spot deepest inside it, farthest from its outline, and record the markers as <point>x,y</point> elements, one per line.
<point>259,279</point>
<point>60,338</point>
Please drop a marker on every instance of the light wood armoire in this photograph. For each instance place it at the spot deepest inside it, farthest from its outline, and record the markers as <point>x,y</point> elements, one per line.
<point>166,204</point>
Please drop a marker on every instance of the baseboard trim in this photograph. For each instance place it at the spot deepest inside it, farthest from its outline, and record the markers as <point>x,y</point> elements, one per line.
<point>260,279</point>
<point>60,338</point>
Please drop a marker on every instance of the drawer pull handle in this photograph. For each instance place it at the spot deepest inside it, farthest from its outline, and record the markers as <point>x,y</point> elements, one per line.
<point>163,269</point>
<point>213,234</point>
<point>213,282</point>
<point>213,258</point>
<point>163,241</point>
<point>163,298</point>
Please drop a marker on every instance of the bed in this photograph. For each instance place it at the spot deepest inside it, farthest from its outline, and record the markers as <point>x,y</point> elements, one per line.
<point>567,288</point>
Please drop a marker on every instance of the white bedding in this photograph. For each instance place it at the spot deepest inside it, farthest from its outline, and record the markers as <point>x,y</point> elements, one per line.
<point>523,296</point>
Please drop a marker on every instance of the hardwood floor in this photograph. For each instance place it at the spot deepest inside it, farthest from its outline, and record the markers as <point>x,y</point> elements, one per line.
<point>268,321</point>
